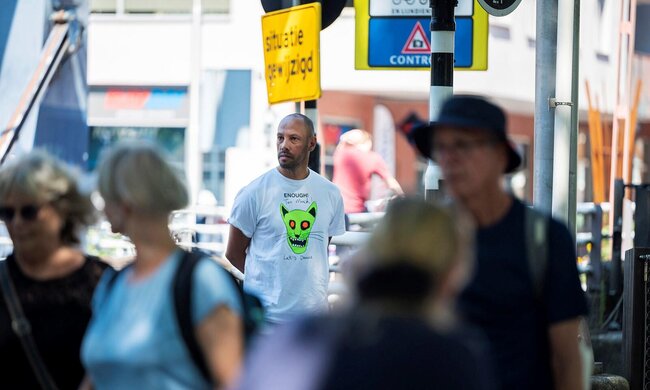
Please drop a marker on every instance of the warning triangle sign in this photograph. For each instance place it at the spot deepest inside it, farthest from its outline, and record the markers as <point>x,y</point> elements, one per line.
<point>417,42</point>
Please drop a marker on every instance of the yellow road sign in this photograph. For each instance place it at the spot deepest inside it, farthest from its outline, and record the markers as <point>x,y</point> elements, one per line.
<point>394,34</point>
<point>291,41</point>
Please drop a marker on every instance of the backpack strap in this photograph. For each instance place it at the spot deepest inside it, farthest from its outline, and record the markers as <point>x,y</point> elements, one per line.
<point>252,315</point>
<point>182,295</point>
<point>182,285</point>
<point>536,229</point>
<point>113,276</point>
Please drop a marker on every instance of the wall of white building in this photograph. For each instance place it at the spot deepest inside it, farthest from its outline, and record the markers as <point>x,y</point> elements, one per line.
<point>155,50</point>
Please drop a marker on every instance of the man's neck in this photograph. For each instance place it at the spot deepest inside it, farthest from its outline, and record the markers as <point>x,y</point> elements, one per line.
<point>490,207</point>
<point>294,174</point>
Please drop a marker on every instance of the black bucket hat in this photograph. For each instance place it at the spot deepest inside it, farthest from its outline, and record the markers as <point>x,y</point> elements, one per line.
<point>469,112</point>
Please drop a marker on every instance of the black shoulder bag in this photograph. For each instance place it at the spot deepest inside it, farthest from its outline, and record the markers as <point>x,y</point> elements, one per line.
<point>23,329</point>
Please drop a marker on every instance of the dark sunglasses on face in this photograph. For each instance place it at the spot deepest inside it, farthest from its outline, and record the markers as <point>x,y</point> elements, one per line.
<point>27,213</point>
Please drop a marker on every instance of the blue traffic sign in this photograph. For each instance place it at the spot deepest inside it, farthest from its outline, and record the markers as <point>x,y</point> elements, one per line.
<point>395,34</point>
<point>393,42</point>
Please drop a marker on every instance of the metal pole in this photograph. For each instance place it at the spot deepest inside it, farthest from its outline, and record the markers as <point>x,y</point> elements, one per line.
<point>566,117</point>
<point>311,112</point>
<point>545,56</point>
<point>193,155</point>
<point>54,49</point>
<point>298,104</point>
<point>575,98</point>
<point>615,278</point>
<point>443,27</point>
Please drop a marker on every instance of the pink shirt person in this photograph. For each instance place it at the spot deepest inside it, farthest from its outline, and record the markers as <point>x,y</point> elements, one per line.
<point>354,165</point>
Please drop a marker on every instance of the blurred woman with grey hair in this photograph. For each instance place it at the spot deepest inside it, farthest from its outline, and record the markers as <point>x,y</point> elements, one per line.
<point>400,331</point>
<point>47,280</point>
<point>133,340</point>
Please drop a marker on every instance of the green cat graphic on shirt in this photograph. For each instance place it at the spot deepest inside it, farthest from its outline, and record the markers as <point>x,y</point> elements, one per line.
<point>298,223</point>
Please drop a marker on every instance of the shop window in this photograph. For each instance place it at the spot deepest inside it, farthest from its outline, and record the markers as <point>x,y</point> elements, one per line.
<point>226,107</point>
<point>170,139</point>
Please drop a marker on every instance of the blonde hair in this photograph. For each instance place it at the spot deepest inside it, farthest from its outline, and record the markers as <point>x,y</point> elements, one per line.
<point>137,175</point>
<point>426,238</point>
<point>46,179</point>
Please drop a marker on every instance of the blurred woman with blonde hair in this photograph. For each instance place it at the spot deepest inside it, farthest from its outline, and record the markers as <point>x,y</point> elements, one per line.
<point>400,331</point>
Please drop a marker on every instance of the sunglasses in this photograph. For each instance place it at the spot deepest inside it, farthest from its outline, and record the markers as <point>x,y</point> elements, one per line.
<point>27,213</point>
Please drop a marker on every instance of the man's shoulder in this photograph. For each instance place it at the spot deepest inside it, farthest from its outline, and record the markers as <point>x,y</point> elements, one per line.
<point>259,180</point>
<point>268,175</point>
<point>318,179</point>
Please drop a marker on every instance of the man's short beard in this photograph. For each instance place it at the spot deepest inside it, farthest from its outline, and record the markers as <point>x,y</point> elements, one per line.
<point>290,164</point>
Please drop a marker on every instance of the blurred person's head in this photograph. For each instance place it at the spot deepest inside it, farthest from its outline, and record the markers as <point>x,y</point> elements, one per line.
<point>468,141</point>
<point>418,255</point>
<point>40,203</point>
<point>134,178</point>
<point>296,138</point>
<point>357,138</point>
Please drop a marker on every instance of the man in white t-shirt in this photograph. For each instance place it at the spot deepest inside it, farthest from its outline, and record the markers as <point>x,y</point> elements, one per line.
<point>280,227</point>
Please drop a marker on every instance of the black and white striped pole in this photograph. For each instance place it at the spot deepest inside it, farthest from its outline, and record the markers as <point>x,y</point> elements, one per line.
<point>443,28</point>
<point>311,112</point>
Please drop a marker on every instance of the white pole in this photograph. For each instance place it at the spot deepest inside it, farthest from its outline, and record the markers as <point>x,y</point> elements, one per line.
<point>564,145</point>
<point>545,64</point>
<point>193,155</point>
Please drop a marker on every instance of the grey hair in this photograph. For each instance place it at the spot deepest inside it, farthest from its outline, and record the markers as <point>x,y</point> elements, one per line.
<point>46,179</point>
<point>136,174</point>
<point>309,125</point>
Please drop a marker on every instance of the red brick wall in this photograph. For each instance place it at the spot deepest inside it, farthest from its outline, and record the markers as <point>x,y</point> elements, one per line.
<point>360,107</point>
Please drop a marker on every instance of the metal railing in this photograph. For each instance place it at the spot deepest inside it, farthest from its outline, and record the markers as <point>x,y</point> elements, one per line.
<point>636,318</point>
<point>592,239</point>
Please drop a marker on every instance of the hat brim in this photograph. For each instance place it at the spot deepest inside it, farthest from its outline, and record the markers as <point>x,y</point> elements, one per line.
<point>423,135</point>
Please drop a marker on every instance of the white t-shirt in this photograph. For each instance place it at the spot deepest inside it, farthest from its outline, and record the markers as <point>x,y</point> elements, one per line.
<point>289,223</point>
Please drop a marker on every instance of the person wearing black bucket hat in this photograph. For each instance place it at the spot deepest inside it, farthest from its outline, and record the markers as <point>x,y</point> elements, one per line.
<point>532,331</point>
<point>468,112</point>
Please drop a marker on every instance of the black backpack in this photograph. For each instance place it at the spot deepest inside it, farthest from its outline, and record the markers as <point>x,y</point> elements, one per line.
<point>252,309</point>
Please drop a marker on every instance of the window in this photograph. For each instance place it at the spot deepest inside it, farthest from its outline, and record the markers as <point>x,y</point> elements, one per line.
<point>158,6</point>
<point>332,128</point>
<point>608,29</point>
<point>170,139</point>
<point>216,6</point>
<point>103,6</point>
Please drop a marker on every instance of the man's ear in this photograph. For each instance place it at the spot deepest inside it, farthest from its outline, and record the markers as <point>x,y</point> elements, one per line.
<point>312,143</point>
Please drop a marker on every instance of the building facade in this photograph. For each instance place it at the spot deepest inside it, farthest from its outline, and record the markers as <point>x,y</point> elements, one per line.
<point>150,61</point>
